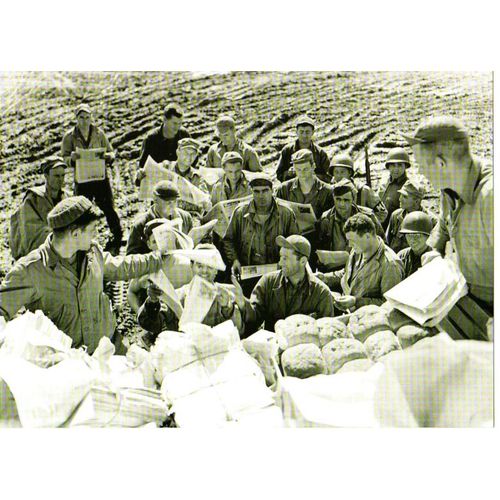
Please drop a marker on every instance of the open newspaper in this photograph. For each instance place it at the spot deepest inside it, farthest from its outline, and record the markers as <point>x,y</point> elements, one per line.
<point>155,172</point>
<point>213,175</point>
<point>257,270</point>
<point>169,295</point>
<point>304,213</point>
<point>90,165</point>
<point>223,211</point>
<point>198,301</point>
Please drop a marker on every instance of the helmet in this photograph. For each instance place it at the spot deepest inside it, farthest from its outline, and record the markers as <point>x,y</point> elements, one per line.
<point>417,223</point>
<point>397,155</point>
<point>342,160</point>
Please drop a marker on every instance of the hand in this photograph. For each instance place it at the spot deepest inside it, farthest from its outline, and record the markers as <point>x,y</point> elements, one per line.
<point>74,156</point>
<point>429,256</point>
<point>224,297</point>
<point>345,302</point>
<point>141,173</point>
<point>320,276</point>
<point>239,297</point>
<point>154,293</point>
<point>236,268</point>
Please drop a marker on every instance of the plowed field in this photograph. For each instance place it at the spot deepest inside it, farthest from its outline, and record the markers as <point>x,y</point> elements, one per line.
<point>351,110</point>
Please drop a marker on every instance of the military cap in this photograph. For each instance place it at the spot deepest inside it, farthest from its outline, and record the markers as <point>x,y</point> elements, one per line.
<point>437,129</point>
<point>412,188</point>
<point>225,121</point>
<point>189,143</point>
<point>305,120</point>
<point>68,211</point>
<point>261,179</point>
<point>397,155</point>
<point>166,190</point>
<point>344,186</point>
<point>342,160</point>
<point>303,156</point>
<point>296,243</point>
<point>82,107</point>
<point>417,223</point>
<point>231,157</point>
<point>152,224</point>
<point>52,162</point>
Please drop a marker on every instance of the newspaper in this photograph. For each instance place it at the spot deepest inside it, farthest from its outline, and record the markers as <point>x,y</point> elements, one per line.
<point>199,232</point>
<point>90,166</point>
<point>211,175</point>
<point>248,272</point>
<point>304,213</point>
<point>188,192</point>
<point>223,211</point>
<point>169,295</point>
<point>332,258</point>
<point>198,301</point>
<point>165,235</point>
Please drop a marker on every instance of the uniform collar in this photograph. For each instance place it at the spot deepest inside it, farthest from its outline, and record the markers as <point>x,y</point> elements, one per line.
<point>316,184</point>
<point>252,210</point>
<point>189,175</point>
<point>242,182</point>
<point>50,257</point>
<point>78,133</point>
<point>311,148</point>
<point>284,282</point>
<point>237,146</point>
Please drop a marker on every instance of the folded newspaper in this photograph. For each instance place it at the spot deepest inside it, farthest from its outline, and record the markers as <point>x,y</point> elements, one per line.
<point>222,212</point>
<point>90,165</point>
<point>257,270</point>
<point>304,213</point>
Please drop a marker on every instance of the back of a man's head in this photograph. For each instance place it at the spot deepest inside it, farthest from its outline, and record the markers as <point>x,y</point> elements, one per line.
<point>359,224</point>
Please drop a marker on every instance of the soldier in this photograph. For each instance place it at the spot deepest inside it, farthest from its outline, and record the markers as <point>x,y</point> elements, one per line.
<point>28,224</point>
<point>306,188</point>
<point>254,226</point>
<point>442,151</point>
<point>64,277</point>
<point>233,184</point>
<point>416,228</point>
<point>155,316</point>
<point>226,130</point>
<point>331,234</point>
<point>397,162</point>
<point>410,196</point>
<point>371,270</point>
<point>290,290</point>
<point>86,135</point>
<point>305,131</point>
<point>165,196</point>
<point>342,167</point>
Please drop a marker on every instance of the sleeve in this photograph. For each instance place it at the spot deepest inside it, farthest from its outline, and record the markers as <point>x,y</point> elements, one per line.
<point>332,279</point>
<point>210,158</point>
<point>439,235</point>
<point>325,306</point>
<point>121,268</point>
<point>281,192</point>
<point>255,310</point>
<point>390,229</point>
<point>16,291</point>
<point>487,208</point>
<point>283,164</point>
<point>253,160</point>
<point>33,228</point>
<point>144,153</point>
<point>155,317</point>
<point>230,238</point>
<point>67,148</point>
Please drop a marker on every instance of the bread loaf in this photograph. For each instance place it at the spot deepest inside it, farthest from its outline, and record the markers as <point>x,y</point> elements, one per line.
<point>297,329</point>
<point>340,351</point>
<point>357,365</point>
<point>410,334</point>
<point>303,361</point>
<point>380,344</point>
<point>368,320</point>
<point>397,319</point>
<point>329,329</point>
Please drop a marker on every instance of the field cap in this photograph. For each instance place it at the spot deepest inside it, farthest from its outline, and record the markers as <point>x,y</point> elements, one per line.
<point>166,190</point>
<point>296,243</point>
<point>207,254</point>
<point>68,211</point>
<point>397,155</point>
<point>411,188</point>
<point>344,186</point>
<point>305,120</point>
<point>303,156</point>
<point>437,129</point>
<point>342,160</point>
<point>225,121</point>
<point>189,143</point>
<point>82,107</point>
<point>261,179</point>
<point>152,224</point>
<point>52,162</point>
<point>231,157</point>
<point>417,223</point>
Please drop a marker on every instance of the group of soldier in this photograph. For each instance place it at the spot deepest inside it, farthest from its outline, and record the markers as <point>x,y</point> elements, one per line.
<point>386,235</point>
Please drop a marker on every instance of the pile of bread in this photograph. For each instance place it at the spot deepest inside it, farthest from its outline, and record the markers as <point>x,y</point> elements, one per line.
<point>351,343</point>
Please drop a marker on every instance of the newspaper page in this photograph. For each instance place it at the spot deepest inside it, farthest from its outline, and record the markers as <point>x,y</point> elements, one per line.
<point>199,300</point>
<point>211,175</point>
<point>169,295</point>
<point>304,213</point>
<point>90,165</point>
<point>248,272</point>
<point>223,211</point>
<point>332,258</point>
<point>199,232</point>
<point>165,238</point>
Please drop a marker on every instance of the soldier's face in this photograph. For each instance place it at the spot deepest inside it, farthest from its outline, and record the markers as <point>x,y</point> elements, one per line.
<point>262,196</point>
<point>359,243</point>
<point>204,271</point>
<point>408,202</point>
<point>289,262</point>
<point>166,208</point>
<point>172,124</point>
<point>86,235</point>
<point>340,173</point>
<point>304,171</point>
<point>434,168</point>
<point>343,205</point>
<point>83,120</point>
<point>396,170</point>
<point>227,135</point>
<point>305,133</point>
<point>55,178</point>
<point>417,242</point>
<point>185,158</point>
<point>233,171</point>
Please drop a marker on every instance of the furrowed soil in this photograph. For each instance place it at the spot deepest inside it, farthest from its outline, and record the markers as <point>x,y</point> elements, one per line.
<point>352,110</point>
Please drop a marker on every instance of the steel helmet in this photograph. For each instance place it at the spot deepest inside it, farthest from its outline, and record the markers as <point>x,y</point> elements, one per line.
<point>342,160</point>
<point>397,155</point>
<point>417,223</point>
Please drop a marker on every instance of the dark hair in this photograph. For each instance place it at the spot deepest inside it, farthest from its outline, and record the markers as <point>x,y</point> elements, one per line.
<point>172,109</point>
<point>83,221</point>
<point>359,224</point>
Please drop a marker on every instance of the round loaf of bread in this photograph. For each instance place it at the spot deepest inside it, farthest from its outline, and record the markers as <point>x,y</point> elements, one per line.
<point>340,351</point>
<point>381,343</point>
<point>368,320</point>
<point>297,329</point>
<point>410,334</point>
<point>329,329</point>
<point>357,365</point>
<point>397,319</point>
<point>303,361</point>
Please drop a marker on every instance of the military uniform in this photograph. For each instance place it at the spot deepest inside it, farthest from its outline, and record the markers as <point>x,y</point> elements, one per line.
<point>410,260</point>
<point>389,194</point>
<point>250,158</point>
<point>196,180</point>
<point>222,191</point>
<point>366,197</point>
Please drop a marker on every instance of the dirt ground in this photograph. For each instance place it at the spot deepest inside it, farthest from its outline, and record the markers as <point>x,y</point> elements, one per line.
<point>351,109</point>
